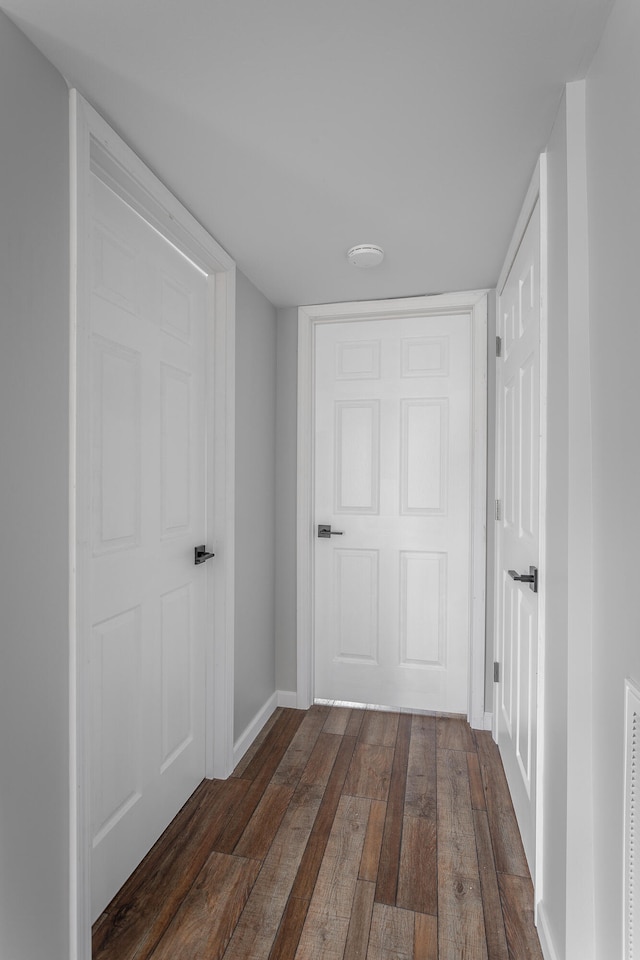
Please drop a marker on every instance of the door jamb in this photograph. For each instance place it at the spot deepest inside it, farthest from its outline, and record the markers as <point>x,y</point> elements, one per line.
<point>475,304</point>
<point>537,191</point>
<point>94,146</point>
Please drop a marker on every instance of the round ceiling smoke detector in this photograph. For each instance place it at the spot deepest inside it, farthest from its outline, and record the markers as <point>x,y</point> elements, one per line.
<point>365,255</point>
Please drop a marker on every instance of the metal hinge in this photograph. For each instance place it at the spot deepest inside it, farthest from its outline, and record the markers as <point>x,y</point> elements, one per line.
<point>496,672</point>
<point>498,346</point>
<point>498,509</point>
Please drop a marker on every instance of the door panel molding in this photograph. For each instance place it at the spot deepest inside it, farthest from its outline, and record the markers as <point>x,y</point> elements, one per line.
<point>96,149</point>
<point>475,303</point>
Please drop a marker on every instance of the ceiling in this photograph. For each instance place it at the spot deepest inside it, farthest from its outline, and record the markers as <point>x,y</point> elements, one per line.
<point>293,129</point>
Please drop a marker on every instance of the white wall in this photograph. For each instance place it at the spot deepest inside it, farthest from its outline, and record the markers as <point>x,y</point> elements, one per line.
<point>613,169</point>
<point>34,412</point>
<point>286,492</point>
<point>255,672</point>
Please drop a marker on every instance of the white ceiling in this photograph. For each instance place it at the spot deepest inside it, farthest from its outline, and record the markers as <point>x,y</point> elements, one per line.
<point>294,129</point>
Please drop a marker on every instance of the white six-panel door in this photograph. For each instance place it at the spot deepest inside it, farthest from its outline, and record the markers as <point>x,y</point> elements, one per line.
<point>518,388</point>
<point>147,486</point>
<point>393,473</point>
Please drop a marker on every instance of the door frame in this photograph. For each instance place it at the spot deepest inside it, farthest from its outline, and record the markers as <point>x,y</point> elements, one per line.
<point>474,303</point>
<point>537,192</point>
<point>95,147</point>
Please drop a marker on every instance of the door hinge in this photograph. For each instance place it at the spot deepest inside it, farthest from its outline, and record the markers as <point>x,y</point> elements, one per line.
<point>496,672</point>
<point>498,346</point>
<point>498,509</point>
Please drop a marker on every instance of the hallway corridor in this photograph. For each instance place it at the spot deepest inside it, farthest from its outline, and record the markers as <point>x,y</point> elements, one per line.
<point>342,835</point>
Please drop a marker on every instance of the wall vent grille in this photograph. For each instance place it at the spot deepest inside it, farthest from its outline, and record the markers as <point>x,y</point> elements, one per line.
<point>631,826</point>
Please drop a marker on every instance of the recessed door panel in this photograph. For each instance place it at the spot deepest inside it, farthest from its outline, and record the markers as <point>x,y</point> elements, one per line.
<point>508,662</point>
<point>510,491</point>
<point>116,446</point>
<point>116,773</point>
<point>176,309</point>
<point>526,644</point>
<point>356,592</point>
<point>357,456</point>
<point>358,360</point>
<point>425,456</point>
<point>423,596</point>
<point>528,442</point>
<point>176,629</point>
<point>176,455</point>
<point>425,357</point>
<point>115,269</point>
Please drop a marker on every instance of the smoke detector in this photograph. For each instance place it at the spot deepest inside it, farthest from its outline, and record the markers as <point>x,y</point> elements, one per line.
<point>365,255</point>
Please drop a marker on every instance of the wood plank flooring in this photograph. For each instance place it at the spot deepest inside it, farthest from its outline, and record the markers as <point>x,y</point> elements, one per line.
<point>341,835</point>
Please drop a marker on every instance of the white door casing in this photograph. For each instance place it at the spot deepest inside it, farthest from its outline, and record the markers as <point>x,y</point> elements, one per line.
<point>520,453</point>
<point>473,306</point>
<point>98,154</point>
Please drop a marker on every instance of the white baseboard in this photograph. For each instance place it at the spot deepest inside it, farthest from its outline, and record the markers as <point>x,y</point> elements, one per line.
<point>281,698</point>
<point>287,698</point>
<point>482,722</point>
<point>247,737</point>
<point>549,951</point>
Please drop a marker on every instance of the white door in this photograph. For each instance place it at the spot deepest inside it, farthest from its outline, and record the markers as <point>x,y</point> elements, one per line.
<point>518,386</point>
<point>393,480</point>
<point>147,493</point>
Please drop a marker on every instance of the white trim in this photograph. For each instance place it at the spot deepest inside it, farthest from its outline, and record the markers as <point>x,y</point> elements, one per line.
<point>630,907</point>
<point>253,728</point>
<point>537,192</point>
<point>542,543</point>
<point>487,722</point>
<point>478,644</point>
<point>280,698</point>
<point>93,145</point>
<point>475,303</point>
<point>549,951</point>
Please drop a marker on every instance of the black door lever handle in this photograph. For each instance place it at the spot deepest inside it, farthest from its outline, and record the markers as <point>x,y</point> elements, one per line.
<point>325,531</point>
<point>531,578</point>
<point>201,554</point>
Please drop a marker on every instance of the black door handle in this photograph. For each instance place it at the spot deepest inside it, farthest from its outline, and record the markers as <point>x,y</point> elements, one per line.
<point>531,578</point>
<point>325,531</point>
<point>201,554</point>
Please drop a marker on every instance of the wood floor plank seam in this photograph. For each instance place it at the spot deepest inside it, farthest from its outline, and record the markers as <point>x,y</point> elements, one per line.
<point>310,866</point>
<point>289,932</point>
<point>231,833</point>
<point>389,863</point>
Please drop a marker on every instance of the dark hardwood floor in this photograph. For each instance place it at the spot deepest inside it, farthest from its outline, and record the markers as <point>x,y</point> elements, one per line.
<point>342,835</point>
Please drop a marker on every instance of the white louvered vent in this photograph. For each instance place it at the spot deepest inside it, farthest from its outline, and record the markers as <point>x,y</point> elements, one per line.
<point>631,825</point>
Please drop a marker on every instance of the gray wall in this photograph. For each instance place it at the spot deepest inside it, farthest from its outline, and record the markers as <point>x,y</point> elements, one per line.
<point>255,674</point>
<point>34,426</point>
<point>613,157</point>
<point>286,445</point>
